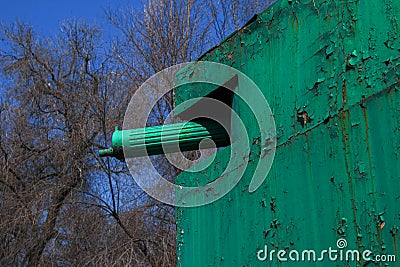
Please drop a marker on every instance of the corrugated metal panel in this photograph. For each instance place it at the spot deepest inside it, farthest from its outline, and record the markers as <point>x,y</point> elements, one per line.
<point>334,65</point>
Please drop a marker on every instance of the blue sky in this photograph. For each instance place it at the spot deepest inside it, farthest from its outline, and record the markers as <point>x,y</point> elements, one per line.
<point>46,15</point>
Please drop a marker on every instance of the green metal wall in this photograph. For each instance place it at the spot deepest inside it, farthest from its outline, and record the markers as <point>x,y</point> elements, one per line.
<point>337,176</point>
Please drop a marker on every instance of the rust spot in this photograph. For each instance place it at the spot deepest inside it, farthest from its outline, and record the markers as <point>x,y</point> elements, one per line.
<point>380,223</point>
<point>349,63</point>
<point>364,110</point>
<point>275,224</point>
<point>256,140</point>
<point>296,22</point>
<point>303,118</point>
<point>344,92</point>
<point>342,227</point>
<point>272,204</point>
<point>394,231</point>
<point>344,118</point>
<point>266,232</point>
<point>391,97</point>
<point>386,43</point>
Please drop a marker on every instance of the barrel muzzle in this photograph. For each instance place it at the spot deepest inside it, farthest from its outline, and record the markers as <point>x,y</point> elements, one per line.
<point>167,138</point>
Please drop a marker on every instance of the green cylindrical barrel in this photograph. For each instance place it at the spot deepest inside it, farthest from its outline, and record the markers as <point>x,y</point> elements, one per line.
<point>166,139</point>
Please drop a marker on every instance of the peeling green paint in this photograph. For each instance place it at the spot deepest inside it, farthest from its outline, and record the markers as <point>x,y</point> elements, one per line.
<point>330,72</point>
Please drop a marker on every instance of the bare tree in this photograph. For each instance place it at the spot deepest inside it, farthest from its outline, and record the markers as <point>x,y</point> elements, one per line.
<point>53,120</point>
<point>57,196</point>
<point>230,15</point>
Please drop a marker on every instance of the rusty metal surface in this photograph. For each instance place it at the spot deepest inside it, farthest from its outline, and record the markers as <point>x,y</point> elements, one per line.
<point>330,71</point>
